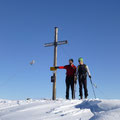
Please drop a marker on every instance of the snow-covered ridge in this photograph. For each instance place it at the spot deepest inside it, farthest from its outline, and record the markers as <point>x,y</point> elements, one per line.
<point>60,109</point>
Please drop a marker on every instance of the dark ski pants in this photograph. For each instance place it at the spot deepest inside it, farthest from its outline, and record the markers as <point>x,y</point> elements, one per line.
<point>70,83</point>
<point>83,83</point>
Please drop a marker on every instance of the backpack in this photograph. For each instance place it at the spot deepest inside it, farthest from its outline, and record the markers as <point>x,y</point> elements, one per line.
<point>82,70</point>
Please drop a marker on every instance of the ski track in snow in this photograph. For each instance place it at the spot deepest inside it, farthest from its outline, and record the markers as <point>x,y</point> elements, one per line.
<point>60,109</point>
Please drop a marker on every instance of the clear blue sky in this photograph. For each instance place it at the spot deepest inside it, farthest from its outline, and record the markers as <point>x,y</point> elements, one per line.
<point>92,29</point>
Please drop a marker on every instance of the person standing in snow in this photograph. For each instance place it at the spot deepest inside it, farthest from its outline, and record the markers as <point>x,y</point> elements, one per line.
<point>70,77</point>
<point>82,72</point>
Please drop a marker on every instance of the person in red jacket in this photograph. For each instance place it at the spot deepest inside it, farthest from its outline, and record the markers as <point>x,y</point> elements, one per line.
<point>70,75</point>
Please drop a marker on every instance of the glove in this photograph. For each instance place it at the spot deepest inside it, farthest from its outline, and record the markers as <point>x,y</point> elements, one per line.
<point>75,79</point>
<point>90,76</point>
<point>56,67</point>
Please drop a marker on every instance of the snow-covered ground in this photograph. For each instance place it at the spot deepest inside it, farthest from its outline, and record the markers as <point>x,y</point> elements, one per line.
<point>60,109</point>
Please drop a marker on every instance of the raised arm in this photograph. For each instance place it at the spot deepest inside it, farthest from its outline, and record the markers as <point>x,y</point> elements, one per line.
<point>61,67</point>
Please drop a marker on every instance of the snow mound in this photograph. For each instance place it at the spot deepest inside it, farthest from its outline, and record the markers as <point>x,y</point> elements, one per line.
<point>60,109</point>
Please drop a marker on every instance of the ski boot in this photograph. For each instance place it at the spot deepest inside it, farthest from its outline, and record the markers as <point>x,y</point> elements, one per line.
<point>81,97</point>
<point>86,97</point>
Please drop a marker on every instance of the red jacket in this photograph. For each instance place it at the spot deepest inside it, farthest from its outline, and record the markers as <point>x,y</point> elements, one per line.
<point>71,70</point>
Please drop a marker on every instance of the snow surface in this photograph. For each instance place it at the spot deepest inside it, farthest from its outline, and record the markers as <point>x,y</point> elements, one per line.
<point>60,109</point>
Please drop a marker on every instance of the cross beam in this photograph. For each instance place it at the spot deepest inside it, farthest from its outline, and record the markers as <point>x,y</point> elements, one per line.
<point>55,44</point>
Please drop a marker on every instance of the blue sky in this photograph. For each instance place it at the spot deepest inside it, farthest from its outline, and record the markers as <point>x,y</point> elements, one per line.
<point>92,29</point>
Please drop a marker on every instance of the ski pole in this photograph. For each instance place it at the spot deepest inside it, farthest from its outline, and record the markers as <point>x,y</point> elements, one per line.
<point>74,90</point>
<point>93,88</point>
<point>74,87</point>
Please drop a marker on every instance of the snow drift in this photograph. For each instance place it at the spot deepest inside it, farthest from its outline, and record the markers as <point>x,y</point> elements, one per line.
<point>60,109</point>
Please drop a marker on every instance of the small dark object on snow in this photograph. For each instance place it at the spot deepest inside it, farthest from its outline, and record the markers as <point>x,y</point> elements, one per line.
<point>28,99</point>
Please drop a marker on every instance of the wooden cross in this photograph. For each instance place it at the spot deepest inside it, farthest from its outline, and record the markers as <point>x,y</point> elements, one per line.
<point>55,44</point>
